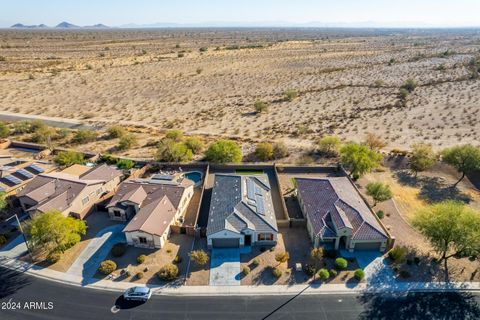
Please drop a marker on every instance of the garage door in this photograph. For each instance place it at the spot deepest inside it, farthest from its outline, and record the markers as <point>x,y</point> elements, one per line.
<point>368,246</point>
<point>226,243</point>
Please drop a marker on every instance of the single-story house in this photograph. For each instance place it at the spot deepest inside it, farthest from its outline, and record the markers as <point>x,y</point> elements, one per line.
<point>153,205</point>
<point>72,195</point>
<point>241,212</point>
<point>338,216</point>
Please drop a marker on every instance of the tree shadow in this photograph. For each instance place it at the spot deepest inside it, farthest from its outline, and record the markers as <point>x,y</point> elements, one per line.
<point>11,281</point>
<point>432,189</point>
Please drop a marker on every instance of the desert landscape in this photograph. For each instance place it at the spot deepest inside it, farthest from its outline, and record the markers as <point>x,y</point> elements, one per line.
<point>206,82</point>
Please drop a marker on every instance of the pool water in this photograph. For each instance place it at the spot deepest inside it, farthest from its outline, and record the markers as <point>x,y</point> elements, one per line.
<point>195,176</point>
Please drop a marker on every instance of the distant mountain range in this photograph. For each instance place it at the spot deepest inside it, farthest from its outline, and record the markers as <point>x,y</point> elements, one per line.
<point>61,25</point>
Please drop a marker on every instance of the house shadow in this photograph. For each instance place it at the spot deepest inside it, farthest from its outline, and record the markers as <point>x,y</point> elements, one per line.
<point>11,281</point>
<point>432,189</point>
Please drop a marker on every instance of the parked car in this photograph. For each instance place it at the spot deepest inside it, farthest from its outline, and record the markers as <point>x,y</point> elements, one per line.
<point>137,293</point>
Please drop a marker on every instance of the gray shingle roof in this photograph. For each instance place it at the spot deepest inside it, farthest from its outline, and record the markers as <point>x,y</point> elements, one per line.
<point>239,202</point>
<point>331,202</point>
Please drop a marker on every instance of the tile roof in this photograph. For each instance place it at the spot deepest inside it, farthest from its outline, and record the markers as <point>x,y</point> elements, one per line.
<point>239,202</point>
<point>334,203</point>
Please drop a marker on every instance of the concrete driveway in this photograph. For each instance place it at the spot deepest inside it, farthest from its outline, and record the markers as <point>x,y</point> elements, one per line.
<point>225,267</point>
<point>377,270</point>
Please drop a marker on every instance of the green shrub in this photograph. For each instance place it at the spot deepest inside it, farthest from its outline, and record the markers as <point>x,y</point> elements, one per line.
<point>224,151</point>
<point>359,274</point>
<point>380,214</point>
<point>276,272</point>
<point>54,257</point>
<point>168,272</point>
<point>333,273</point>
<point>195,144</point>
<point>127,141</point>
<point>397,254</point>
<point>290,94</point>
<point>116,132</point>
<point>4,131</point>
<point>107,267</point>
<point>174,134</point>
<point>139,275</point>
<point>84,136</point>
<point>141,258</point>
<point>246,270</point>
<point>68,158</point>
<point>200,257</point>
<point>118,249</point>
<point>309,270</point>
<point>341,263</point>
<point>280,150</point>
<point>3,239</point>
<point>171,151</point>
<point>260,106</point>
<point>108,159</point>
<point>264,151</point>
<point>125,164</point>
<point>323,274</point>
<point>255,262</point>
<point>21,127</point>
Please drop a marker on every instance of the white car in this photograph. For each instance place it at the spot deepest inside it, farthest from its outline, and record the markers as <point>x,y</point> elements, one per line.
<point>138,293</point>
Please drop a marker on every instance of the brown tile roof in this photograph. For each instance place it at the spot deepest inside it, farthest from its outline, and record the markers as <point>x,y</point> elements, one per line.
<point>153,218</point>
<point>102,172</point>
<point>334,202</point>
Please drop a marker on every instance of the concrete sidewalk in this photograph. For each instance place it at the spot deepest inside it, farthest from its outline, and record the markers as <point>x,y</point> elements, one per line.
<point>392,288</point>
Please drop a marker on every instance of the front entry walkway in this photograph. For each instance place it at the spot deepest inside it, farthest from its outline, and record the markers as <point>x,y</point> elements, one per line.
<point>225,267</point>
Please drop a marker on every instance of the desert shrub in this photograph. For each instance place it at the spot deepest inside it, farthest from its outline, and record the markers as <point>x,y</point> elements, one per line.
<point>200,257</point>
<point>246,270</point>
<point>170,151</point>
<point>174,134</point>
<point>21,127</point>
<point>260,106</point>
<point>43,134</point>
<point>141,258</point>
<point>68,158</point>
<point>127,273</point>
<point>323,274</point>
<point>380,214</point>
<point>118,249</point>
<point>333,273</point>
<point>264,151</point>
<point>397,254</point>
<point>181,55</point>
<point>168,272</point>
<point>329,145</point>
<point>139,275</point>
<point>255,262</point>
<point>127,141</point>
<point>276,272</point>
<point>374,141</point>
<point>410,85</point>
<point>203,49</point>
<point>199,70</point>
<point>107,267</point>
<point>195,144</point>
<point>4,130</point>
<point>309,270</point>
<point>290,94</point>
<point>341,263</point>
<point>84,136</point>
<point>125,164</point>
<point>116,132</point>
<point>403,93</point>
<point>54,256</point>
<point>280,150</point>
<point>177,260</point>
<point>379,192</point>
<point>224,151</point>
<point>359,274</point>
<point>282,257</point>
<point>3,239</point>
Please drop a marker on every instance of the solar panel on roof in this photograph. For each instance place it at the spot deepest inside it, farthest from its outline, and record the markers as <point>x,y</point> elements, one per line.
<point>12,179</point>
<point>35,168</point>
<point>24,174</point>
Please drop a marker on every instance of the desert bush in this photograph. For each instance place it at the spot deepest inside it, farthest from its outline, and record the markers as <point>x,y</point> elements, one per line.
<point>323,274</point>
<point>195,144</point>
<point>375,142</point>
<point>116,132</point>
<point>341,263</point>
<point>290,94</point>
<point>422,158</point>
<point>333,273</point>
<point>168,272</point>
<point>397,254</point>
<point>224,151</point>
<point>264,151</point>
<point>359,158</point>
<point>141,258</point>
<point>329,145</point>
<point>118,249</point>
<point>181,55</point>
<point>125,164</point>
<point>68,158</point>
<point>139,275</point>
<point>380,214</point>
<point>84,136</point>
<point>174,134</point>
<point>170,151</point>
<point>282,257</point>
<point>309,270</point>
<point>4,130</point>
<point>276,272</point>
<point>379,192</point>
<point>203,49</point>
<point>21,127</point>
<point>246,270</point>
<point>255,262</point>
<point>54,257</point>
<point>43,134</point>
<point>127,141</point>
<point>410,85</point>
<point>107,267</point>
<point>260,106</point>
<point>359,274</point>
<point>280,150</point>
<point>200,257</point>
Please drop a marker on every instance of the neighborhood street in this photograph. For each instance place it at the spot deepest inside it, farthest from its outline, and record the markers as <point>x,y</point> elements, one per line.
<point>80,303</point>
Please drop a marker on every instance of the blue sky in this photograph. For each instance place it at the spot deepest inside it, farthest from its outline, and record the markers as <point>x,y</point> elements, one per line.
<point>119,12</point>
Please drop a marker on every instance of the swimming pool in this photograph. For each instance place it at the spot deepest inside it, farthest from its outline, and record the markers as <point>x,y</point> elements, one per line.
<point>195,176</point>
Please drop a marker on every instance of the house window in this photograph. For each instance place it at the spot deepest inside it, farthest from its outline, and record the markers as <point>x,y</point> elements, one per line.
<point>265,237</point>
<point>85,200</point>
<point>117,213</point>
<point>142,240</point>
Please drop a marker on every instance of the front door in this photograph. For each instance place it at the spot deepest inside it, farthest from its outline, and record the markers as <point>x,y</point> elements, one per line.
<point>248,240</point>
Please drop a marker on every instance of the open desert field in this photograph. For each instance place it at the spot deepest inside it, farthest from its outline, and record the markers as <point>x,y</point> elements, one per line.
<point>206,82</point>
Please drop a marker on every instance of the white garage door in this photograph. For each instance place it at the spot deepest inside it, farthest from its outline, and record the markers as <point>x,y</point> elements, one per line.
<point>226,243</point>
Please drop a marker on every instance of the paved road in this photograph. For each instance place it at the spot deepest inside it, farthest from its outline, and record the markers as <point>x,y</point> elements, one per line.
<point>71,302</point>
